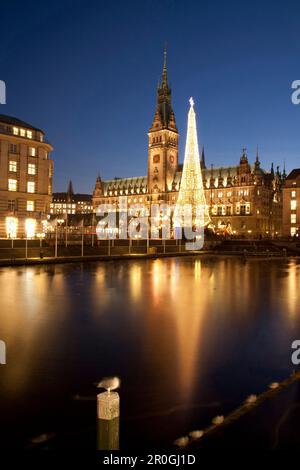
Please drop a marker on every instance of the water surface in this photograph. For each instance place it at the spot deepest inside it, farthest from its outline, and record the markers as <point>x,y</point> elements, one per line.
<point>189,337</point>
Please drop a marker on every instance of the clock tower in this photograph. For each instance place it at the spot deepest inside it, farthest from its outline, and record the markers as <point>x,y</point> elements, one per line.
<point>163,140</point>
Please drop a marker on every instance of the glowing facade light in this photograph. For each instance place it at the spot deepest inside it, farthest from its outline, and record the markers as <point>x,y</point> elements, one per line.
<point>30,228</point>
<point>191,190</point>
<point>11,227</point>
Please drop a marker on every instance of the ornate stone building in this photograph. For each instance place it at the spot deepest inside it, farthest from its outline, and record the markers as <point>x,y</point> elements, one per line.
<point>243,199</point>
<point>25,178</point>
<point>71,203</point>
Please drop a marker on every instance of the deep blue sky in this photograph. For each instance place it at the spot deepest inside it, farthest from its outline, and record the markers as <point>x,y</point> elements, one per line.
<point>86,72</point>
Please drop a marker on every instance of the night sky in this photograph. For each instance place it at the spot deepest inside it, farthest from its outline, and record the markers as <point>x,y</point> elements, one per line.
<point>86,72</point>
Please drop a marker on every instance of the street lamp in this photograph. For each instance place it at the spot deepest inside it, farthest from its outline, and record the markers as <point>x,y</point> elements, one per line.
<point>58,222</point>
<point>41,236</point>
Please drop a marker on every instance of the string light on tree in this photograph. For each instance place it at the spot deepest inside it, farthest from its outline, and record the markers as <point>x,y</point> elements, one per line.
<point>191,190</point>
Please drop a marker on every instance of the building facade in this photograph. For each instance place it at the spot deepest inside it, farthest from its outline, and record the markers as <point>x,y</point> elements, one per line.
<point>291,205</point>
<point>70,203</point>
<point>243,199</point>
<point>26,172</point>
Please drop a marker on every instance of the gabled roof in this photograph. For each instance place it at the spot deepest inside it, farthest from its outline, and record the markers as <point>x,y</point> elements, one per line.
<point>294,174</point>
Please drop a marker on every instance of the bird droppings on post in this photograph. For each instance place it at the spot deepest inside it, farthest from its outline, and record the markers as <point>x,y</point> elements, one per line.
<point>274,385</point>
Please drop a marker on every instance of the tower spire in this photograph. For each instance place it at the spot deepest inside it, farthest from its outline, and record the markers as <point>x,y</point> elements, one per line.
<point>284,170</point>
<point>203,164</point>
<point>164,115</point>
<point>257,161</point>
<point>70,190</point>
<point>164,78</point>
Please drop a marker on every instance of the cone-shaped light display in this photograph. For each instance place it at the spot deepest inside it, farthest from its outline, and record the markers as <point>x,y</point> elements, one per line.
<point>191,190</point>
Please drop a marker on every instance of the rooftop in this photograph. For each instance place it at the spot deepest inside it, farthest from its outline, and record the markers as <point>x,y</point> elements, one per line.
<point>17,122</point>
<point>294,174</point>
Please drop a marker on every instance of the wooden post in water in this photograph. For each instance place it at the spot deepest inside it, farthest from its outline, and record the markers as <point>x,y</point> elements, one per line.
<point>108,414</point>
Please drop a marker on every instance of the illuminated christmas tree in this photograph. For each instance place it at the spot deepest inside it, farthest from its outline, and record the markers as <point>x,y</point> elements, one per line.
<point>191,190</point>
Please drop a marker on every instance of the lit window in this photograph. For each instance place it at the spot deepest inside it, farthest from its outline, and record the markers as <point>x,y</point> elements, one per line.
<point>229,194</point>
<point>12,185</point>
<point>293,218</point>
<point>293,194</point>
<point>30,187</point>
<point>22,132</point>
<point>30,228</point>
<point>30,206</point>
<point>32,151</point>
<point>293,231</point>
<point>29,134</point>
<point>293,205</point>
<point>220,195</point>
<point>11,227</point>
<point>15,131</point>
<point>31,168</point>
<point>13,166</point>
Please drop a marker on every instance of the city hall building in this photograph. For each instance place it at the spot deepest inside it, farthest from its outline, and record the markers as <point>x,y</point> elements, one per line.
<point>25,178</point>
<point>244,199</point>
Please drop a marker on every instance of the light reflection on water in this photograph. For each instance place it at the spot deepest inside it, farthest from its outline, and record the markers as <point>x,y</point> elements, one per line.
<point>180,332</point>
